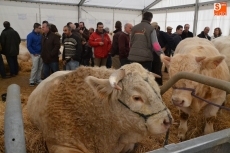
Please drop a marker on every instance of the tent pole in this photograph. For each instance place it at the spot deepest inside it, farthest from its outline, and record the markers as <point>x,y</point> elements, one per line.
<point>195,18</point>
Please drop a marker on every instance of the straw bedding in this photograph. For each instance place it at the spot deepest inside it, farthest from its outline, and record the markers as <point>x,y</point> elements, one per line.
<point>35,143</point>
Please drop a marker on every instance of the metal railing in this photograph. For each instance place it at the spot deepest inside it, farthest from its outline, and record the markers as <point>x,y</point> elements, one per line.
<point>218,142</point>
<point>217,83</point>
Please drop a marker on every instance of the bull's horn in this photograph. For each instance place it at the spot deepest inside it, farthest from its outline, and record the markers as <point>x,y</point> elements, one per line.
<point>115,77</point>
<point>155,75</point>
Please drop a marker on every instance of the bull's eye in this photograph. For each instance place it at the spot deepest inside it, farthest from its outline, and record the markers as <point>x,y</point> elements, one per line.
<point>137,98</point>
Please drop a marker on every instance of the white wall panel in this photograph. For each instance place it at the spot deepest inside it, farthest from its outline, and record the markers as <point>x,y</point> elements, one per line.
<point>180,17</point>
<point>206,18</point>
<point>160,18</point>
<point>21,16</point>
<point>132,17</point>
<point>59,15</point>
<point>91,16</point>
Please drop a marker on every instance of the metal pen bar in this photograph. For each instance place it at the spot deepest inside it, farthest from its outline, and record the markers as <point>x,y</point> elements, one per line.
<point>214,142</point>
<point>213,82</point>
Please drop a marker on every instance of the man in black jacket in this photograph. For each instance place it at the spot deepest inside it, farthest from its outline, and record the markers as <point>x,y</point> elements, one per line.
<point>204,34</point>
<point>177,36</point>
<point>10,41</point>
<point>166,43</point>
<point>50,50</point>
<point>186,33</point>
<point>115,46</point>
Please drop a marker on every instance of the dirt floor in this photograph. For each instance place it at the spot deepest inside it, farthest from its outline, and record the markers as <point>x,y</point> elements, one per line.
<point>196,122</point>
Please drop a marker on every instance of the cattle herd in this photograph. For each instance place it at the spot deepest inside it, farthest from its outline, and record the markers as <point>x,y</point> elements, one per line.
<point>99,110</point>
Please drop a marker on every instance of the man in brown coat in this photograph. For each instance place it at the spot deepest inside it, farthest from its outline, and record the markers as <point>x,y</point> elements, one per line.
<point>50,50</point>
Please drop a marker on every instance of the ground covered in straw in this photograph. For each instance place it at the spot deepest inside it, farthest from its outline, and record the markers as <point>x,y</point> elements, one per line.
<point>36,145</point>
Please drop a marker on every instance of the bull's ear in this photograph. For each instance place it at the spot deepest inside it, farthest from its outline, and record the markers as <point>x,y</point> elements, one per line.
<point>212,62</point>
<point>199,59</point>
<point>101,87</point>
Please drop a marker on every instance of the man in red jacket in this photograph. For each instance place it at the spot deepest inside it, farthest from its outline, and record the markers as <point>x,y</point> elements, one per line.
<point>101,43</point>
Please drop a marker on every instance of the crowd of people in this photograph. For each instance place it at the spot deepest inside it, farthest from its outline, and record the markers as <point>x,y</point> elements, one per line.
<point>144,43</point>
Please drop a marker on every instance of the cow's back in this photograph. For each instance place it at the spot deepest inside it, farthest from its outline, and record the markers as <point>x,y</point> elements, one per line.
<point>196,46</point>
<point>63,106</point>
<point>223,46</point>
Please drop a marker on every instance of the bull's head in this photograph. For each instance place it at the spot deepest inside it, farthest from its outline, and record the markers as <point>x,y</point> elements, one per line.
<point>188,63</point>
<point>132,90</point>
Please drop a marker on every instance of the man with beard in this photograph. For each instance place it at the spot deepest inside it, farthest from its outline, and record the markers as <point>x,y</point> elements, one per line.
<point>83,31</point>
<point>101,43</point>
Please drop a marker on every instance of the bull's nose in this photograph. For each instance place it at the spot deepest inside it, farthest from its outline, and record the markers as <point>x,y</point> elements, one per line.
<point>177,101</point>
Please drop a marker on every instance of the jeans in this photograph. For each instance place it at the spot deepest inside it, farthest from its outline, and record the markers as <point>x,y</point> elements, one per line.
<point>2,68</point>
<point>124,61</point>
<point>35,75</point>
<point>13,64</point>
<point>49,68</point>
<point>72,65</point>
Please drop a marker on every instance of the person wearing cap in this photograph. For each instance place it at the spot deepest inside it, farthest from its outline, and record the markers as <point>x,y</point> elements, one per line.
<point>115,46</point>
<point>143,42</point>
<point>186,33</point>
<point>169,30</point>
<point>166,43</point>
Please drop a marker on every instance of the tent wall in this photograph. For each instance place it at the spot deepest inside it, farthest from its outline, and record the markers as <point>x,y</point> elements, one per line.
<point>108,17</point>
<point>181,16</point>
<point>206,18</point>
<point>59,14</point>
<point>23,15</point>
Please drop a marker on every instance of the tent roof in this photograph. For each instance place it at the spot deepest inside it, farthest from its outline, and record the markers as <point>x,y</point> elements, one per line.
<point>142,5</point>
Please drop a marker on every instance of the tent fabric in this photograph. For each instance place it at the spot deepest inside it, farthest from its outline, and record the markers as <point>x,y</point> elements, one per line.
<point>23,15</point>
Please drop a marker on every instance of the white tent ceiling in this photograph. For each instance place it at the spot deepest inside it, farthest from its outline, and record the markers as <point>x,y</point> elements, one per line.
<point>122,4</point>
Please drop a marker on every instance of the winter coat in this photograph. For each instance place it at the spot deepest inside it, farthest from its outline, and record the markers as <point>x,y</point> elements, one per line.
<point>94,40</point>
<point>10,41</point>
<point>34,41</point>
<point>50,48</point>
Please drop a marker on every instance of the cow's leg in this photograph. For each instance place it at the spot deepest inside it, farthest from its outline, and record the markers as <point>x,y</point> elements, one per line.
<point>210,111</point>
<point>183,127</point>
<point>128,148</point>
<point>65,149</point>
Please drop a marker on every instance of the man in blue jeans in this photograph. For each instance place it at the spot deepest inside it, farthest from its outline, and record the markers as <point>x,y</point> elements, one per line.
<point>72,49</point>
<point>34,40</point>
<point>50,50</point>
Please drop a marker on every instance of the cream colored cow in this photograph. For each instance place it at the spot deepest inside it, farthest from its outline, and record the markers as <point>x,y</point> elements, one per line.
<point>97,110</point>
<point>197,55</point>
